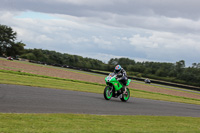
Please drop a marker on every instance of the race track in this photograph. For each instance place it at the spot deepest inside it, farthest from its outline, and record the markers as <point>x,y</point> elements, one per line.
<point>25,99</point>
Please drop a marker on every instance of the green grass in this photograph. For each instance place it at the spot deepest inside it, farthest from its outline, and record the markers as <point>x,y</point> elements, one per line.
<point>80,123</point>
<point>164,97</point>
<point>21,78</point>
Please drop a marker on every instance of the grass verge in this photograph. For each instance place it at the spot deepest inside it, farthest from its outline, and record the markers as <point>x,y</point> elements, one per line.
<point>70,123</point>
<point>21,78</point>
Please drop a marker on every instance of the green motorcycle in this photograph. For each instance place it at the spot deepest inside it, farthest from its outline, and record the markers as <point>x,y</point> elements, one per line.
<point>114,88</point>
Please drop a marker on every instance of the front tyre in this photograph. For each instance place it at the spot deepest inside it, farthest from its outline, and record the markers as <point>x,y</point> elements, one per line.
<point>108,93</point>
<point>125,96</point>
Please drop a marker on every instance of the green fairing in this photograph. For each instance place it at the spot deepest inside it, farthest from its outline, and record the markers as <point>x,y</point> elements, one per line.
<point>128,82</point>
<point>115,82</point>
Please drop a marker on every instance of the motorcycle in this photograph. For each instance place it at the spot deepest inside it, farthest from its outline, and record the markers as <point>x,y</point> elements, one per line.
<point>114,88</point>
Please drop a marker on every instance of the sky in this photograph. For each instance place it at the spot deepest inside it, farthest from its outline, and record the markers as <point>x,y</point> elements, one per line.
<point>142,30</point>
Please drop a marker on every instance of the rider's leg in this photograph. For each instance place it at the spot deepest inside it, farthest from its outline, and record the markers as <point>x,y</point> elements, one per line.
<point>125,82</point>
<point>123,89</point>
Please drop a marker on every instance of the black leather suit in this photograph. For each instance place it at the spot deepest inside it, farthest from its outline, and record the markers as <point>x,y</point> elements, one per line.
<point>121,76</point>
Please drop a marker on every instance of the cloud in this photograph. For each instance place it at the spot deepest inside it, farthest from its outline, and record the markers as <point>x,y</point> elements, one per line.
<point>85,2</point>
<point>170,16</point>
<point>170,8</point>
<point>154,30</point>
<point>103,44</point>
<point>168,46</point>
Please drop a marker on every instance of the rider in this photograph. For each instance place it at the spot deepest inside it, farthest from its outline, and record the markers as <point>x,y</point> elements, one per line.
<point>122,77</point>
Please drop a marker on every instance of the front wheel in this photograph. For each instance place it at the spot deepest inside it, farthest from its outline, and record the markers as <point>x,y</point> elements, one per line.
<point>108,93</point>
<point>126,96</point>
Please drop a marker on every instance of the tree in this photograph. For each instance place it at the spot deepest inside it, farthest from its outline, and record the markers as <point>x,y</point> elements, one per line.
<point>113,61</point>
<point>7,38</point>
<point>180,65</point>
<point>160,72</point>
<point>16,49</point>
<point>29,56</point>
<point>121,61</point>
<point>196,65</point>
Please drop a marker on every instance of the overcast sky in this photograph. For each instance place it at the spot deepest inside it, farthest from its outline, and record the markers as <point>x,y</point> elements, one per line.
<point>143,30</point>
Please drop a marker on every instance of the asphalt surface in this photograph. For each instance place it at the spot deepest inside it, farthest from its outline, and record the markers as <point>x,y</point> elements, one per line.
<point>25,99</point>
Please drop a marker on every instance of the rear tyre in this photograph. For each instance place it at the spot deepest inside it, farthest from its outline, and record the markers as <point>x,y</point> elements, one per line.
<point>108,93</point>
<point>126,96</point>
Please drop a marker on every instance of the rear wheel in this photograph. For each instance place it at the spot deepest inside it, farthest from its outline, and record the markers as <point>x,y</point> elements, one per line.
<point>126,96</point>
<point>108,93</point>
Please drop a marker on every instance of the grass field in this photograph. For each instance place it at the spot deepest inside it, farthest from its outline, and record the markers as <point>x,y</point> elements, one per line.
<point>79,123</point>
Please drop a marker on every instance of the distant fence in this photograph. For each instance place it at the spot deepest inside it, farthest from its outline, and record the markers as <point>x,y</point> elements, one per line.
<point>157,82</point>
<point>134,78</point>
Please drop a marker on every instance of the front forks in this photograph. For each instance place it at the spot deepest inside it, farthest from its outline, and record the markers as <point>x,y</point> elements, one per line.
<point>111,90</point>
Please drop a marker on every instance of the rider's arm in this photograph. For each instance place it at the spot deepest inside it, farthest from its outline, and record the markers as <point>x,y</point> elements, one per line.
<point>121,76</point>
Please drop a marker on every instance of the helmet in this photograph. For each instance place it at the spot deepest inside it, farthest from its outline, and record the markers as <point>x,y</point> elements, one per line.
<point>118,68</point>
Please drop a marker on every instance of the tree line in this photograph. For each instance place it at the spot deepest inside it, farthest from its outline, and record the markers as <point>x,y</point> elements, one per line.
<point>174,72</point>
<point>62,60</point>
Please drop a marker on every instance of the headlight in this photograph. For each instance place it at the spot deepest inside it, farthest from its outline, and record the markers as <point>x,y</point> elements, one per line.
<point>108,79</point>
